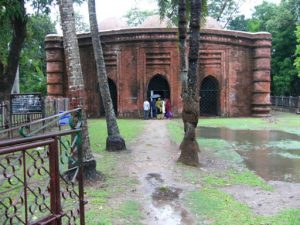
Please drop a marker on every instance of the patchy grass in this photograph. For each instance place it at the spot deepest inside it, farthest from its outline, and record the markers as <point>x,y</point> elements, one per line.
<point>287,122</point>
<point>100,209</point>
<point>219,208</point>
<point>220,148</point>
<point>175,128</point>
<point>233,177</point>
<point>98,131</point>
<point>213,206</point>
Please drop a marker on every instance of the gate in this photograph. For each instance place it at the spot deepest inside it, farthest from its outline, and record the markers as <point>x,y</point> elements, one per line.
<point>209,97</point>
<point>41,179</point>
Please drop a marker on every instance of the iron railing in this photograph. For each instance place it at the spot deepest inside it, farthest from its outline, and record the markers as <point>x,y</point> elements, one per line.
<point>11,118</point>
<point>286,102</point>
<point>41,177</point>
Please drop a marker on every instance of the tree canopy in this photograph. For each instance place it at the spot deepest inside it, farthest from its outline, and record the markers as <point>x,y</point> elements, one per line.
<point>281,21</point>
<point>21,44</point>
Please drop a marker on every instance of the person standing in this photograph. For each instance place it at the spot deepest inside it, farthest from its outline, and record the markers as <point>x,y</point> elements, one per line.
<point>153,108</point>
<point>159,108</point>
<point>146,109</point>
<point>168,109</point>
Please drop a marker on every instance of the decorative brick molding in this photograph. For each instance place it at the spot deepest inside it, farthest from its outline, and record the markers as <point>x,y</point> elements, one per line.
<point>239,61</point>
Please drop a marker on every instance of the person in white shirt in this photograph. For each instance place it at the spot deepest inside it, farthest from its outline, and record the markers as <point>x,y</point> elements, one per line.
<point>146,109</point>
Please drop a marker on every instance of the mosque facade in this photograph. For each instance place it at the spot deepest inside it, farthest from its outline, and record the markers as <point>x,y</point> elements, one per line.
<point>233,80</point>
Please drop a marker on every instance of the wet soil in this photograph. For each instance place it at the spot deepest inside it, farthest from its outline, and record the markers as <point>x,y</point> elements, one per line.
<point>154,165</point>
<point>272,154</point>
<point>151,160</point>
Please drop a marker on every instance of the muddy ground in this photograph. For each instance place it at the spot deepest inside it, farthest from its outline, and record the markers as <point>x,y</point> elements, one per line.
<point>151,160</point>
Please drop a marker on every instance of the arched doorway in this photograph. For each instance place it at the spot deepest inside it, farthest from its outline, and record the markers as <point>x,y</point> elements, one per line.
<point>114,97</point>
<point>158,86</point>
<point>209,97</point>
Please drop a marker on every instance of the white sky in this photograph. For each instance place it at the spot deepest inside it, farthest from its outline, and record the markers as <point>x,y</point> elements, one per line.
<point>118,8</point>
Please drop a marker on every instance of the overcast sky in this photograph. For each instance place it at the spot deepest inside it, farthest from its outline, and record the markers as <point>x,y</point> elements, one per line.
<point>117,8</point>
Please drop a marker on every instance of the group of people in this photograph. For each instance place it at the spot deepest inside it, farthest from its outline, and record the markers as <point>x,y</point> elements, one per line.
<point>157,108</point>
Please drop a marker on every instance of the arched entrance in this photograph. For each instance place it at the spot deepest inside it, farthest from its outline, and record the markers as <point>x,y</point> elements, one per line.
<point>209,93</point>
<point>158,86</point>
<point>114,97</point>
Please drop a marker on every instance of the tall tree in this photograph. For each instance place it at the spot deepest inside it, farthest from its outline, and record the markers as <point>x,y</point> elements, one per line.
<point>189,146</point>
<point>114,141</point>
<point>224,10</point>
<point>135,16</point>
<point>32,65</point>
<point>297,52</point>
<point>13,12</point>
<point>13,31</point>
<point>76,83</point>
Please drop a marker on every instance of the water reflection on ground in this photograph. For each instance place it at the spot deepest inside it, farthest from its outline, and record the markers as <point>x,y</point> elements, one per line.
<point>274,155</point>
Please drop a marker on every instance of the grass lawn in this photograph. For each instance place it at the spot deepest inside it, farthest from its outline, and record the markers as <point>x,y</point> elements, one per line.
<point>209,204</point>
<point>99,211</point>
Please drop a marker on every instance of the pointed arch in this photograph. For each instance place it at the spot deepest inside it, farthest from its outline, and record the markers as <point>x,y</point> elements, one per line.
<point>114,97</point>
<point>158,85</point>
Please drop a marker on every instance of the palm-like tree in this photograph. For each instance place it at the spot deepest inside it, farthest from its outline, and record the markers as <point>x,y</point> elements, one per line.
<point>188,70</point>
<point>189,146</point>
<point>114,141</point>
<point>76,83</point>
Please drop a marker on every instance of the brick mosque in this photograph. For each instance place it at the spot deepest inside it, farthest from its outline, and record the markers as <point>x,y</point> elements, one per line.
<point>233,80</point>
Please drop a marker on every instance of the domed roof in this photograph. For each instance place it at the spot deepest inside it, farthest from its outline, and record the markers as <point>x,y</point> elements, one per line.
<point>112,23</point>
<point>155,22</point>
<point>211,23</point>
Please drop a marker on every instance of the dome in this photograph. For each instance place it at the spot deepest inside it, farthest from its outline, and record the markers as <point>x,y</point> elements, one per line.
<point>156,22</point>
<point>211,23</point>
<point>112,23</point>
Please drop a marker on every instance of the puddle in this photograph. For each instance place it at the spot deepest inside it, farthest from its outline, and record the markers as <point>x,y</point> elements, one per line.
<point>274,155</point>
<point>166,193</point>
<point>164,208</point>
<point>154,179</point>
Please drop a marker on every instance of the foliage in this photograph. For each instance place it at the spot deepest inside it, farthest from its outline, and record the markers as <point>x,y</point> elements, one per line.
<point>224,10</point>
<point>32,61</point>
<point>81,25</point>
<point>283,26</point>
<point>13,23</point>
<point>135,16</point>
<point>169,9</point>
<point>297,52</point>
<point>281,21</point>
<point>238,23</point>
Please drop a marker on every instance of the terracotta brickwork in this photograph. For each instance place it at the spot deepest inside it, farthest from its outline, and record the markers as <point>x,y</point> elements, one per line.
<point>239,61</point>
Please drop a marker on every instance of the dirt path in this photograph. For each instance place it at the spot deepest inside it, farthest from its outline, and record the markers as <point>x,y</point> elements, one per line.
<point>153,164</point>
<point>151,160</point>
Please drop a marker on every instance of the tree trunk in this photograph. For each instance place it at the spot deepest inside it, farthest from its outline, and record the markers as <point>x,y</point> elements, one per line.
<point>8,73</point>
<point>114,141</point>
<point>189,146</point>
<point>182,44</point>
<point>76,83</point>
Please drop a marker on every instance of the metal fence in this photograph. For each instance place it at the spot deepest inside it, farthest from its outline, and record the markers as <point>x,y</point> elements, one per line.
<point>41,179</point>
<point>288,103</point>
<point>12,118</point>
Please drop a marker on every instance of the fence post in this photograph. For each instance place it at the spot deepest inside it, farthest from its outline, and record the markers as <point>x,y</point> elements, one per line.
<point>54,179</point>
<point>276,100</point>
